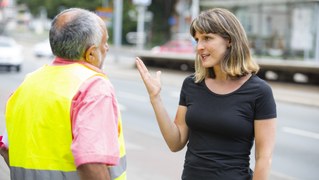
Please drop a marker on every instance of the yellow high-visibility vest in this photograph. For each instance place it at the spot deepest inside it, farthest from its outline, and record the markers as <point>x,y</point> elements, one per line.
<point>39,124</point>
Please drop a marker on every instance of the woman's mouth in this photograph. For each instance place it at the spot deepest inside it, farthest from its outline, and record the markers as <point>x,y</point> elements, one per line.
<point>204,56</point>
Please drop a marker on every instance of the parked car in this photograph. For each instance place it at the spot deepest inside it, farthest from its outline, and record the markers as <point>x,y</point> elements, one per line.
<point>43,49</point>
<point>10,53</point>
<point>176,46</point>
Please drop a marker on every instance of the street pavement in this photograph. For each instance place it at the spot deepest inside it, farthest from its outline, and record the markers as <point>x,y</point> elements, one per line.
<point>124,65</point>
<point>120,63</point>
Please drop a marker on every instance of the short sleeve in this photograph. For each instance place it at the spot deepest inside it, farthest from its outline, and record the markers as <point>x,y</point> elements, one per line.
<point>182,97</point>
<point>185,86</point>
<point>95,123</point>
<point>265,107</point>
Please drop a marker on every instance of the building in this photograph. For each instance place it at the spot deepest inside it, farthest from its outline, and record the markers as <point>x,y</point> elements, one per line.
<point>282,29</point>
<point>7,13</point>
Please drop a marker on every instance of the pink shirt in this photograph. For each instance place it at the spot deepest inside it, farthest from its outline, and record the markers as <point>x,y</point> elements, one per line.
<point>94,117</point>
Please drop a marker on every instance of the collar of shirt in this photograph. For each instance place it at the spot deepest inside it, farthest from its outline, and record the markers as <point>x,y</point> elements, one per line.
<point>60,61</point>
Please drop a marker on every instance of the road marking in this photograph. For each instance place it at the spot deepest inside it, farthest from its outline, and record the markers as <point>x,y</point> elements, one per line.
<point>278,175</point>
<point>175,94</point>
<point>133,146</point>
<point>122,107</point>
<point>301,132</point>
<point>133,96</point>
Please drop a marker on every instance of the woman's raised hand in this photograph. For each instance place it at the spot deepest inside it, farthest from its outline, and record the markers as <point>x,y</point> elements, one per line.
<point>152,84</point>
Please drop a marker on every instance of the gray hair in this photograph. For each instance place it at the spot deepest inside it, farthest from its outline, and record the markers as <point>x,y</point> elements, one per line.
<point>71,39</point>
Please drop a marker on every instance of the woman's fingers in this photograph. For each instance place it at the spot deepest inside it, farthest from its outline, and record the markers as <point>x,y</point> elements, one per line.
<point>153,84</point>
<point>158,76</point>
<point>142,69</point>
<point>141,66</point>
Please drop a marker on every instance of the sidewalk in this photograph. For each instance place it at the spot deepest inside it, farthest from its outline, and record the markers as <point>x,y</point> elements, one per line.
<point>124,65</point>
<point>296,93</point>
<point>283,92</point>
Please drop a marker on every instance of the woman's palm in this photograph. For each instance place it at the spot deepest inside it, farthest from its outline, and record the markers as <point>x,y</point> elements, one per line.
<point>152,84</point>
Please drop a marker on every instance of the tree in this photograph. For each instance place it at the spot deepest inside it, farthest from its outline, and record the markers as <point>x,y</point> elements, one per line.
<point>162,11</point>
<point>159,27</point>
<point>53,7</point>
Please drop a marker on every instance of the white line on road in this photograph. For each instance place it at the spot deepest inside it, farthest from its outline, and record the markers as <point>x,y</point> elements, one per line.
<point>301,132</point>
<point>122,107</point>
<point>175,94</point>
<point>133,96</point>
<point>281,176</point>
<point>133,146</point>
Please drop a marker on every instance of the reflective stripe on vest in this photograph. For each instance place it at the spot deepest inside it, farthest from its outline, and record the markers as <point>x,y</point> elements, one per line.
<point>30,174</point>
<point>118,172</point>
<point>49,156</point>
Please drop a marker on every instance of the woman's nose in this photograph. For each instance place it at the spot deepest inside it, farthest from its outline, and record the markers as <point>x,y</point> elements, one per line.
<point>200,45</point>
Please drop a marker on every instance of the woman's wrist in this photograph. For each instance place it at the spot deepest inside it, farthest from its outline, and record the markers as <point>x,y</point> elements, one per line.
<point>155,99</point>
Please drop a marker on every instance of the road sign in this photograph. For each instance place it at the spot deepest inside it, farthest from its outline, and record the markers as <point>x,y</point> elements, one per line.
<point>142,2</point>
<point>104,12</point>
<point>133,37</point>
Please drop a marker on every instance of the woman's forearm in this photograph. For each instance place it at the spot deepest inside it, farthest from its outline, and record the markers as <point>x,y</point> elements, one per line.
<point>262,168</point>
<point>168,128</point>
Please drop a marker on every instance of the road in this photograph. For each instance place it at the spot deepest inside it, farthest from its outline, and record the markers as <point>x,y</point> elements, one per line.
<point>295,156</point>
<point>296,153</point>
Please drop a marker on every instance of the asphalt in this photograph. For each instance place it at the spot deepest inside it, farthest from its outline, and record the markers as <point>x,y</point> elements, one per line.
<point>121,62</point>
<point>123,65</point>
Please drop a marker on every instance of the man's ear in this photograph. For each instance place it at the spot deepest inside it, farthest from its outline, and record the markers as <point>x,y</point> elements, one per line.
<point>89,55</point>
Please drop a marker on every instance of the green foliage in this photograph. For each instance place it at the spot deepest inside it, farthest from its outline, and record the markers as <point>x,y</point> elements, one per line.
<point>158,30</point>
<point>55,6</point>
<point>128,25</point>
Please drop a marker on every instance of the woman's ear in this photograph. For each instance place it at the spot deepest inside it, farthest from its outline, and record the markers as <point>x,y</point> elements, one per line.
<point>89,55</point>
<point>229,44</point>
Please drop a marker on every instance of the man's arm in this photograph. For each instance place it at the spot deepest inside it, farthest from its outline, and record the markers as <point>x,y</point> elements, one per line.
<point>4,150</point>
<point>94,171</point>
<point>94,129</point>
<point>4,153</point>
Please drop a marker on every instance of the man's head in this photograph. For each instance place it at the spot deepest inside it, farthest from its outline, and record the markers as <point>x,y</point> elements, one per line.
<point>79,35</point>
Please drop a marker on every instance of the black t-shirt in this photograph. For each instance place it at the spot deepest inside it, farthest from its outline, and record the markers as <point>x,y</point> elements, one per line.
<point>221,128</point>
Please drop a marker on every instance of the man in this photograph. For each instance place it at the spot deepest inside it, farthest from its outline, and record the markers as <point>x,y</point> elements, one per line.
<point>63,121</point>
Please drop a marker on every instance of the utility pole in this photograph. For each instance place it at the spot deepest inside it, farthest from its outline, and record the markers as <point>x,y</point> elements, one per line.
<point>317,34</point>
<point>117,28</point>
<point>195,8</point>
<point>141,9</point>
<point>140,26</point>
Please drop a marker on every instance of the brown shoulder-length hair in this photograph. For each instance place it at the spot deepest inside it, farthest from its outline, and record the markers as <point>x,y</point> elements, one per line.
<point>237,61</point>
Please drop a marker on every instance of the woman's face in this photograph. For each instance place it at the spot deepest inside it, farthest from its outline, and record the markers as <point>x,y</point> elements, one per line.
<point>211,48</point>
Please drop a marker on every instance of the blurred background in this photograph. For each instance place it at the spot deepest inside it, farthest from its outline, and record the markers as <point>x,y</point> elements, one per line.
<point>283,36</point>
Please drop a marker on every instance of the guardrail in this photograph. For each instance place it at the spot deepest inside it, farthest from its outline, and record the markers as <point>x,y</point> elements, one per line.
<point>305,72</point>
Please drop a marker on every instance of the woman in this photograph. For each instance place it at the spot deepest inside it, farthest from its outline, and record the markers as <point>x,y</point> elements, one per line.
<point>224,106</point>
